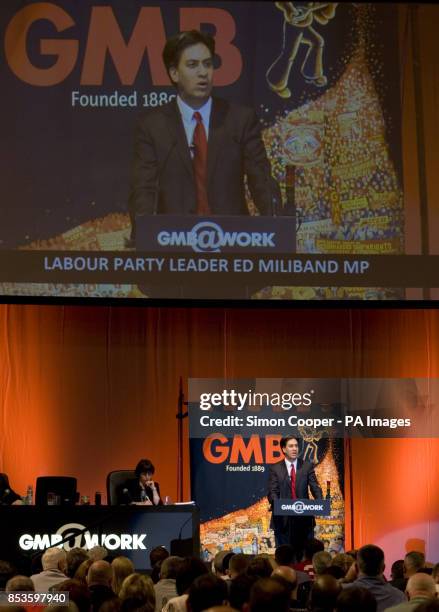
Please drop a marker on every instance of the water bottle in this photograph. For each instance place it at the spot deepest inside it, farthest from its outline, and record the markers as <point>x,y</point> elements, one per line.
<point>30,495</point>
<point>143,495</point>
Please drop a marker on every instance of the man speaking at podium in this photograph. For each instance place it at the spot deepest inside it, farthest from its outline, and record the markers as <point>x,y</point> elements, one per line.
<point>290,479</point>
<point>191,155</point>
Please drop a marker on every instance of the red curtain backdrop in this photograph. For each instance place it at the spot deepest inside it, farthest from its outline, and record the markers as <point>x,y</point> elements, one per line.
<point>85,390</point>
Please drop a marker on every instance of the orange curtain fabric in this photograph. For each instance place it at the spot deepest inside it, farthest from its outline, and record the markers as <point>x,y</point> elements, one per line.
<point>419,106</point>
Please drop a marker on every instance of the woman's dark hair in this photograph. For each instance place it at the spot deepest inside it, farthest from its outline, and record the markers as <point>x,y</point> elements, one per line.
<point>177,44</point>
<point>144,467</point>
<point>397,570</point>
<point>78,593</point>
<point>190,568</point>
<point>358,599</point>
<point>260,567</point>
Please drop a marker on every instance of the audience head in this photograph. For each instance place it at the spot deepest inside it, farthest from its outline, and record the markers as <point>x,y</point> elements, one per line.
<point>343,561</point>
<point>238,564</point>
<point>312,546</point>
<point>239,593</point>
<point>218,562</point>
<point>413,561</point>
<point>189,569</point>
<point>397,570</point>
<point>421,585</point>
<point>82,571</point>
<point>206,591</point>
<point>335,570</point>
<point>431,605</point>
<point>98,553</point>
<point>78,593</point>
<point>70,607</point>
<point>158,554</point>
<point>288,577</point>
<point>54,559</point>
<point>324,593</point>
<point>113,604</point>
<point>156,557</point>
<point>268,594</point>
<point>370,560</point>
<point>122,567</point>
<point>284,555</point>
<point>259,567</point>
<point>435,573</point>
<point>356,599</point>
<point>137,592</point>
<point>75,557</point>
<point>321,561</point>
<point>7,570</point>
<point>19,583</point>
<point>220,609</point>
<point>169,567</point>
<point>226,563</point>
<point>100,572</point>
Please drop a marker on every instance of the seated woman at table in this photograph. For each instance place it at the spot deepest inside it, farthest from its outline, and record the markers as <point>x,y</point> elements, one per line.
<point>8,497</point>
<point>142,490</point>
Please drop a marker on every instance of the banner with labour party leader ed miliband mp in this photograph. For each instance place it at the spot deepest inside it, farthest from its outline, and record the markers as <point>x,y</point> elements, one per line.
<point>322,76</point>
<point>234,429</point>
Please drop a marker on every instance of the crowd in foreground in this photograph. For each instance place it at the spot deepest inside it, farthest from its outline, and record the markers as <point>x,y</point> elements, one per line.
<point>345,582</point>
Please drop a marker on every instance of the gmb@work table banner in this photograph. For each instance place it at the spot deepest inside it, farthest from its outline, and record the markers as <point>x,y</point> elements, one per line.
<point>323,78</point>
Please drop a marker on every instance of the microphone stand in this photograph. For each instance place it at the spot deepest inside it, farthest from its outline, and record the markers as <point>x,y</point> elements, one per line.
<point>181,414</point>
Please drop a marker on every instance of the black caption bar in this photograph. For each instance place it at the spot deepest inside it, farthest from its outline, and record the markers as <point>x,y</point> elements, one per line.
<point>144,267</point>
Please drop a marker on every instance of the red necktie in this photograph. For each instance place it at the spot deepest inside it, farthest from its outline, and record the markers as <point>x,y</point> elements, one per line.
<point>200,165</point>
<point>293,482</point>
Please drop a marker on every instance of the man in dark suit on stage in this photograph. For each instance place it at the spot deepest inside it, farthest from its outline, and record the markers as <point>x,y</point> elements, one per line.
<point>291,478</point>
<point>191,155</point>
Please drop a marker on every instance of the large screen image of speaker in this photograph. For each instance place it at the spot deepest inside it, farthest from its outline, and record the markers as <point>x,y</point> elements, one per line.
<point>142,162</point>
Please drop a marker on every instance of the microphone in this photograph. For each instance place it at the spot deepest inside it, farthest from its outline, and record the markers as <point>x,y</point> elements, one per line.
<point>183,526</point>
<point>183,547</point>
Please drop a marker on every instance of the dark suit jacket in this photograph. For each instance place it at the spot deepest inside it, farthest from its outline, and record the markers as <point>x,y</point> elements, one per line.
<point>162,178</point>
<point>134,492</point>
<point>279,483</point>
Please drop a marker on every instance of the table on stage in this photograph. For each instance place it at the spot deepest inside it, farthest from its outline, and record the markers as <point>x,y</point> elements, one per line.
<point>132,531</point>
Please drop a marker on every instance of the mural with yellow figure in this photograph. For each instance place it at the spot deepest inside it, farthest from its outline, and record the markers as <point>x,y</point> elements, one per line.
<point>298,30</point>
